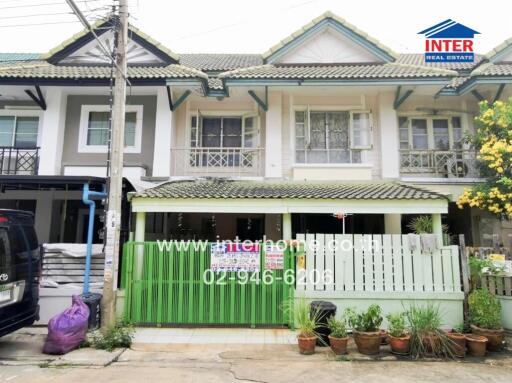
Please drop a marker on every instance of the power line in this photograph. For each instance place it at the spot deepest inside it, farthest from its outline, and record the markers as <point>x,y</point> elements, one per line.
<point>35,15</point>
<point>42,4</point>
<point>37,24</point>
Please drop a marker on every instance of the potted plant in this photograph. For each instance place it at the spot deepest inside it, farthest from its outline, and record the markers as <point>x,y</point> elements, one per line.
<point>338,338</point>
<point>476,344</point>
<point>397,335</point>
<point>305,321</point>
<point>427,338</point>
<point>365,326</point>
<point>458,343</point>
<point>485,318</point>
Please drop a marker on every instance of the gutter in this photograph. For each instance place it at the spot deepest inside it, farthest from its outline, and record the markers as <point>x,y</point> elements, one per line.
<point>86,198</point>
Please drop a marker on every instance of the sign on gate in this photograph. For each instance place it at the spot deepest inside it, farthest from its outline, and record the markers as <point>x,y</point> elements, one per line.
<point>235,257</point>
<point>274,257</point>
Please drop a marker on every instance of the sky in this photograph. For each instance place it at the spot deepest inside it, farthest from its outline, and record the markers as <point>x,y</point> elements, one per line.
<point>230,26</point>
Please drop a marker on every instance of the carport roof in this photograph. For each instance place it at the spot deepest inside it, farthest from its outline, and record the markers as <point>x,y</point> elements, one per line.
<point>225,189</point>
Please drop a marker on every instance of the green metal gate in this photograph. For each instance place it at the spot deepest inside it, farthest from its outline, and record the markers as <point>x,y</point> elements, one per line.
<point>172,285</point>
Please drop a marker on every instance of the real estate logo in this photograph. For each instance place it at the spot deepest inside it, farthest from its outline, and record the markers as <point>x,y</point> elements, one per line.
<point>449,41</point>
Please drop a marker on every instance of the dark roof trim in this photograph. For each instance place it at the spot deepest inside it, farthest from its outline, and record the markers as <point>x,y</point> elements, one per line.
<point>150,47</point>
<point>85,81</point>
<point>100,30</point>
<point>57,182</point>
<point>78,43</point>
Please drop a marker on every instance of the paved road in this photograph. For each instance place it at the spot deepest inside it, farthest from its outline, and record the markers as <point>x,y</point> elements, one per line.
<point>211,363</point>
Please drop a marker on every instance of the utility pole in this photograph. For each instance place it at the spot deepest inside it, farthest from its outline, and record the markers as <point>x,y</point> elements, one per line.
<point>115,181</point>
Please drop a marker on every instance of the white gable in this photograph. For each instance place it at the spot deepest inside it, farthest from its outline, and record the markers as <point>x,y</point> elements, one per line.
<point>328,47</point>
<point>91,53</point>
<point>507,57</point>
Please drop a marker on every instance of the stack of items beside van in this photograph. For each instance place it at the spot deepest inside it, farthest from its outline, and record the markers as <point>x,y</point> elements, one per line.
<point>63,276</point>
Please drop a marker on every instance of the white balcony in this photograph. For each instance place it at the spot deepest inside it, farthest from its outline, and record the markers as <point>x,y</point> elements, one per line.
<point>456,163</point>
<point>217,162</point>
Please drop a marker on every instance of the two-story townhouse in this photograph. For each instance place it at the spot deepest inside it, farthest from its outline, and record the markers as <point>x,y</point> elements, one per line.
<point>328,122</point>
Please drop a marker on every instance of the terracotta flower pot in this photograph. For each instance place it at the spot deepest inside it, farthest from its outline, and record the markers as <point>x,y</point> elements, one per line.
<point>306,344</point>
<point>476,344</point>
<point>494,337</point>
<point>458,344</point>
<point>400,344</point>
<point>431,343</point>
<point>383,337</point>
<point>338,345</point>
<point>368,343</point>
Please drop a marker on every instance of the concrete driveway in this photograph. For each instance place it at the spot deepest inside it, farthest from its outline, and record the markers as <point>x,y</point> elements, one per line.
<point>212,363</point>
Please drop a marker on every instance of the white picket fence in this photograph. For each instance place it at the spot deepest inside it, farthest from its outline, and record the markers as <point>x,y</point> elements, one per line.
<point>376,263</point>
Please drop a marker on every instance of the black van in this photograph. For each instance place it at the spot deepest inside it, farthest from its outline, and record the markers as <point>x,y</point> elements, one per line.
<point>20,270</point>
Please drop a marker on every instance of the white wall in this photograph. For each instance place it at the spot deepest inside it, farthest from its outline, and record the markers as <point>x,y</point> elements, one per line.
<point>52,131</point>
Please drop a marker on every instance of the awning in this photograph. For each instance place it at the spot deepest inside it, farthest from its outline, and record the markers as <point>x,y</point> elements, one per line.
<point>224,196</point>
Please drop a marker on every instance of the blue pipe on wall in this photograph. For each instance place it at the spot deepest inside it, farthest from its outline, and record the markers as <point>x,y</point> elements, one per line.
<point>86,198</point>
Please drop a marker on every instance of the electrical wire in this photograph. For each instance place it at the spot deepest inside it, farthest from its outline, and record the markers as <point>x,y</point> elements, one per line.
<point>35,15</point>
<point>37,24</point>
<point>43,4</point>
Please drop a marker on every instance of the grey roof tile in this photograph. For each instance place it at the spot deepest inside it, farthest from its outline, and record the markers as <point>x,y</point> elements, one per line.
<point>207,189</point>
<point>418,59</point>
<point>489,69</point>
<point>379,71</point>
<point>219,62</point>
<point>10,57</point>
<point>42,69</point>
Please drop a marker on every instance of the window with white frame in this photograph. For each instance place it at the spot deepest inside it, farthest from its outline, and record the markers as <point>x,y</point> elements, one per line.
<point>430,132</point>
<point>223,140</point>
<point>224,131</point>
<point>95,129</point>
<point>331,136</point>
<point>19,131</point>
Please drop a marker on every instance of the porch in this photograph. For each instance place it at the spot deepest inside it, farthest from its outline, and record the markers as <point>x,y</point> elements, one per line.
<point>395,270</point>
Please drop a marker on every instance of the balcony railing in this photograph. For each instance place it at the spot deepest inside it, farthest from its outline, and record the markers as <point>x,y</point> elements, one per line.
<point>18,161</point>
<point>456,163</point>
<point>246,162</point>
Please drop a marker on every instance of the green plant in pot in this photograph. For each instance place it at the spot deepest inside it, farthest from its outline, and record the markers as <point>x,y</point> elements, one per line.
<point>485,318</point>
<point>365,326</point>
<point>399,339</point>
<point>305,321</point>
<point>427,337</point>
<point>338,338</point>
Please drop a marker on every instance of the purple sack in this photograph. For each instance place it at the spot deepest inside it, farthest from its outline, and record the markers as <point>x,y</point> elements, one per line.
<point>68,329</point>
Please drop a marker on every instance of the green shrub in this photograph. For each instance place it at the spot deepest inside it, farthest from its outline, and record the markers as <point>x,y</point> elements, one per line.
<point>338,327</point>
<point>427,337</point>
<point>476,265</point>
<point>366,321</point>
<point>484,310</point>
<point>396,324</point>
<point>120,335</point>
<point>304,319</point>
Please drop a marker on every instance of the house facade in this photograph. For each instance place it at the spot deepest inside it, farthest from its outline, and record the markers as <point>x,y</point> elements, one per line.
<point>328,123</point>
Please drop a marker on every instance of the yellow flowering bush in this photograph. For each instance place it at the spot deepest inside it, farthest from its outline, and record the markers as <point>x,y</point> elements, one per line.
<point>493,140</point>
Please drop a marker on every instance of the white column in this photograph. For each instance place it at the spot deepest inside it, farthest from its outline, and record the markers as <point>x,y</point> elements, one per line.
<point>163,136</point>
<point>273,137</point>
<point>52,132</point>
<point>140,231</point>
<point>43,216</point>
<point>389,138</point>
<point>437,227</point>
<point>140,226</point>
<point>393,223</point>
<point>287,226</point>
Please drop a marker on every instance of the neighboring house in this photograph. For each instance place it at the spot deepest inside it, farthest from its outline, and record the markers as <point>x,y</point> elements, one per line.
<point>327,121</point>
